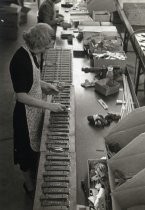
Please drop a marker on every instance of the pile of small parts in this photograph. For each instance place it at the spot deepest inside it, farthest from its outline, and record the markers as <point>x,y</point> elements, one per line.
<point>100,121</point>
<point>87,84</point>
<point>111,55</point>
<point>99,188</point>
<point>107,45</point>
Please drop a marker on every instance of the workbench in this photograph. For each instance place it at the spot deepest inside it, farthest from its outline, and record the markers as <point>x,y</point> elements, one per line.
<point>89,141</point>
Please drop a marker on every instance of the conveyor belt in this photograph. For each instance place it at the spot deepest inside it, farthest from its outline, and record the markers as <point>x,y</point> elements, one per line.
<point>57,66</point>
<point>56,180</point>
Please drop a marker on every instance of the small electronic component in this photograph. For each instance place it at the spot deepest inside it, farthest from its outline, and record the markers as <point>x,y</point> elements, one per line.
<point>54,196</point>
<point>56,163</point>
<point>103,104</point>
<point>56,179</point>
<point>57,158</point>
<point>56,190</point>
<point>55,184</point>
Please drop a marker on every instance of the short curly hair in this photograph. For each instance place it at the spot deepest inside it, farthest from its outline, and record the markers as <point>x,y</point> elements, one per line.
<point>38,36</point>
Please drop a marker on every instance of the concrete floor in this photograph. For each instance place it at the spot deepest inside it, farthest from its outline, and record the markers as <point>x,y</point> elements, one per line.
<point>12,195</point>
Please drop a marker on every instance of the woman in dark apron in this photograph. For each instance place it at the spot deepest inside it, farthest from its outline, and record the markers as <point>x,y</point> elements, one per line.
<point>28,111</point>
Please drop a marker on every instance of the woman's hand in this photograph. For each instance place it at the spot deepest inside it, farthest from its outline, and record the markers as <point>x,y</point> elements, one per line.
<point>60,15</point>
<point>60,86</point>
<point>34,102</point>
<point>51,90</point>
<point>56,107</point>
<point>60,19</point>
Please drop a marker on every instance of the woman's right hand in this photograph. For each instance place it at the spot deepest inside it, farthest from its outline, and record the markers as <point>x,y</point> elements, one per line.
<point>60,19</point>
<point>56,107</point>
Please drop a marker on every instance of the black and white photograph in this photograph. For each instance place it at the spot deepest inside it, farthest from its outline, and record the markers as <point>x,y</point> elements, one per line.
<point>72,104</point>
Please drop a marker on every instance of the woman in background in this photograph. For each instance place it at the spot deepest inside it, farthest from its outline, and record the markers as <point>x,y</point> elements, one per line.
<point>28,111</point>
<point>47,13</point>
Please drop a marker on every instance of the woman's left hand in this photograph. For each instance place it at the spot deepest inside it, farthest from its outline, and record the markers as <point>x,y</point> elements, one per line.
<point>51,90</point>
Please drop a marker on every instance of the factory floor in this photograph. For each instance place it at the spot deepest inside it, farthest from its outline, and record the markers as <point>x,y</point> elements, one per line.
<point>12,195</point>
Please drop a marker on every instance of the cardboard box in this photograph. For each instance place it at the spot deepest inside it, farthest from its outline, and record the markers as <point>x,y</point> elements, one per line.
<point>106,24</point>
<point>93,165</point>
<point>89,23</point>
<point>102,88</point>
<point>98,33</point>
<point>104,30</point>
<point>80,18</point>
<point>79,12</point>
<point>24,15</point>
<point>97,5</point>
<point>101,16</point>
